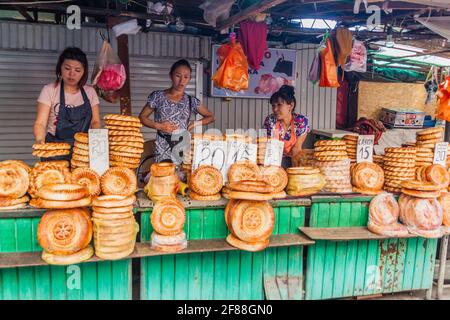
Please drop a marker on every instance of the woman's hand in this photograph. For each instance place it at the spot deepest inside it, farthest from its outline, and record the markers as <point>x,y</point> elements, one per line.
<point>167,127</point>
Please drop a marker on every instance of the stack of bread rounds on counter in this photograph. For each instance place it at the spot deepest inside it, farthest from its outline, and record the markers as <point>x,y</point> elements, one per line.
<point>65,236</point>
<point>305,158</point>
<point>429,137</point>
<point>399,165</point>
<point>384,212</point>
<point>80,154</point>
<point>304,181</point>
<point>205,184</point>
<point>334,164</point>
<point>51,149</point>
<point>444,201</point>
<point>241,171</point>
<point>115,227</point>
<point>424,157</point>
<point>14,184</point>
<point>88,178</point>
<point>249,215</point>
<point>126,142</point>
<point>163,182</point>
<point>379,160</point>
<point>277,178</point>
<point>118,181</point>
<point>61,196</point>
<point>434,174</point>
<point>168,218</point>
<point>367,178</point>
<point>250,224</point>
<point>351,142</point>
<point>420,210</point>
<point>47,173</point>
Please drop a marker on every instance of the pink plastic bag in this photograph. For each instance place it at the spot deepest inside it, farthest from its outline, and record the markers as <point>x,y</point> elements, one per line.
<point>357,60</point>
<point>109,73</point>
<point>112,77</point>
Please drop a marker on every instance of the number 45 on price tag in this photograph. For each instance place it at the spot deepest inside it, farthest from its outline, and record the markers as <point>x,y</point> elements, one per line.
<point>440,153</point>
<point>364,150</point>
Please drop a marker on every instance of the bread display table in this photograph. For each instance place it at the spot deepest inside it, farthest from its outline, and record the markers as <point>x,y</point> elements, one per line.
<point>346,264</point>
<point>275,273</point>
<point>101,280</point>
<point>343,259</point>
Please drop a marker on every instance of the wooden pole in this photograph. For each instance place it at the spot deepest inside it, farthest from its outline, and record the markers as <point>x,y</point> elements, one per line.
<point>123,52</point>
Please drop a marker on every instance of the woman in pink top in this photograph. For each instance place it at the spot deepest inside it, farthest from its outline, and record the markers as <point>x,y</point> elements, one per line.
<point>67,106</point>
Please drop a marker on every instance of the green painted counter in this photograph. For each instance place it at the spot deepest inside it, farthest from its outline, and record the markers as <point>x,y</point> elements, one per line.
<point>222,275</point>
<point>356,268</point>
<point>104,280</point>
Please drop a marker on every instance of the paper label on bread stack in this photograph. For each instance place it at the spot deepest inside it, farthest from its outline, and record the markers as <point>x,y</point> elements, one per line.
<point>440,153</point>
<point>98,150</point>
<point>364,149</point>
<point>274,153</point>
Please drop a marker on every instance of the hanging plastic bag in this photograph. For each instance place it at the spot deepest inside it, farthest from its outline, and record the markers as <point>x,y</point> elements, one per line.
<point>232,73</point>
<point>328,74</point>
<point>358,58</point>
<point>109,73</point>
<point>314,71</point>
<point>443,95</point>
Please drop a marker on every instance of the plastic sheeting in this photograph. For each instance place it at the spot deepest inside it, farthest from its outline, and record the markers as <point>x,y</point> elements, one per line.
<point>439,25</point>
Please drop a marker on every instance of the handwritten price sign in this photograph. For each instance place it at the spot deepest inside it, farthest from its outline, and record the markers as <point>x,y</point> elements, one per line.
<point>364,150</point>
<point>440,153</point>
<point>98,150</point>
<point>274,153</point>
<point>211,153</point>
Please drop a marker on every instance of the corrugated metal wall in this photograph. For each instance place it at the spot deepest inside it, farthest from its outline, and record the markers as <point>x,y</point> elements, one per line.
<point>151,55</point>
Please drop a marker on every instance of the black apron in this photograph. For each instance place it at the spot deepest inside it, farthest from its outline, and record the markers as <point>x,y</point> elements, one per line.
<point>69,122</point>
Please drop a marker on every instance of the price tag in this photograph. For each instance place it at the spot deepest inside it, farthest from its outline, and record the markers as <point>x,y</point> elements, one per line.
<point>364,150</point>
<point>219,156</point>
<point>212,153</point>
<point>202,153</point>
<point>274,153</point>
<point>248,152</point>
<point>98,150</point>
<point>440,153</point>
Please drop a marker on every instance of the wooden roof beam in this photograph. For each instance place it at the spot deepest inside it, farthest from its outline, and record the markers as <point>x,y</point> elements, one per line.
<point>252,10</point>
<point>24,13</point>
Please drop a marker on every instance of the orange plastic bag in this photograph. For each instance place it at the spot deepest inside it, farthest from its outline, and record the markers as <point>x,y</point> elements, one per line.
<point>233,71</point>
<point>443,94</point>
<point>328,73</point>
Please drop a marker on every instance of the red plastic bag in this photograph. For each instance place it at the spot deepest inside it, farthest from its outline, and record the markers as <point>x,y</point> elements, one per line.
<point>232,73</point>
<point>328,73</point>
<point>109,73</point>
<point>443,94</point>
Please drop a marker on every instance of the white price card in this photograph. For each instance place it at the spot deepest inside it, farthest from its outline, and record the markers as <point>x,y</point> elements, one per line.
<point>202,153</point>
<point>233,150</point>
<point>274,153</point>
<point>248,152</point>
<point>364,150</point>
<point>440,153</point>
<point>98,150</point>
<point>219,156</point>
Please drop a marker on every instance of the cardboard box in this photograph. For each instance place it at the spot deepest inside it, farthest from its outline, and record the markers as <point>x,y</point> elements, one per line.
<point>402,118</point>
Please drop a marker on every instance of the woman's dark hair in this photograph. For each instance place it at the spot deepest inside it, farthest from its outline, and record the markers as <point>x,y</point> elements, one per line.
<point>180,63</point>
<point>285,93</point>
<point>73,53</point>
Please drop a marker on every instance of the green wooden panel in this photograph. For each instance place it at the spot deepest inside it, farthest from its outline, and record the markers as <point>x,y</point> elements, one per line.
<point>342,269</point>
<point>75,282</point>
<point>220,275</point>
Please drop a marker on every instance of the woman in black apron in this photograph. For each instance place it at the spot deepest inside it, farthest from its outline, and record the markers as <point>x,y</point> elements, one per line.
<point>67,106</point>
